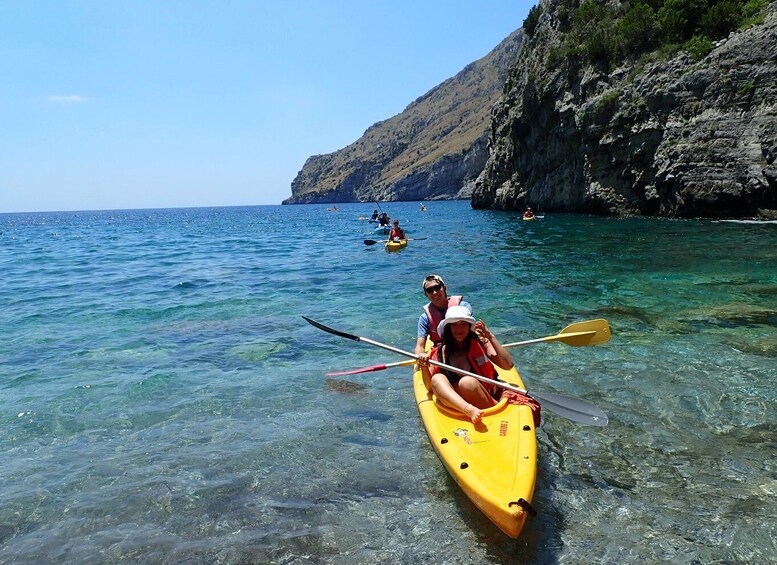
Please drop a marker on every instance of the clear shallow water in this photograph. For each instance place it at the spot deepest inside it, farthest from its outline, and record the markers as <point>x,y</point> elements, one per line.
<point>161,399</point>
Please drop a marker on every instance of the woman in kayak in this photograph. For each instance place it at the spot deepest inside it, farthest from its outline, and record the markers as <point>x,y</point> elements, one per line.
<point>469,345</point>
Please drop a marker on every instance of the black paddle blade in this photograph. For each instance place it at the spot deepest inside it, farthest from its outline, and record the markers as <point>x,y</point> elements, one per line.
<point>321,326</point>
<point>575,409</point>
<point>368,242</point>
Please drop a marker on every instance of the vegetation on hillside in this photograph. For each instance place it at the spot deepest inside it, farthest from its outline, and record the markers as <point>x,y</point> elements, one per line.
<point>609,32</point>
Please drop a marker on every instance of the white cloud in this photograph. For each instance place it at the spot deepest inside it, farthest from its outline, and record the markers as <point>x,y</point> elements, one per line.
<point>71,99</point>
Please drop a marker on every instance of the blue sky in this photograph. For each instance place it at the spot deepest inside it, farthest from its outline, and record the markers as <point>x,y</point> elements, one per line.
<point>111,104</point>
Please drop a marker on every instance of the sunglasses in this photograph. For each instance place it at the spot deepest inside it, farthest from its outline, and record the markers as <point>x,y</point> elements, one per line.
<point>432,289</point>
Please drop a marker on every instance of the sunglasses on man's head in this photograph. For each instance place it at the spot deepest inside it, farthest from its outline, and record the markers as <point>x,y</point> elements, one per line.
<point>432,289</point>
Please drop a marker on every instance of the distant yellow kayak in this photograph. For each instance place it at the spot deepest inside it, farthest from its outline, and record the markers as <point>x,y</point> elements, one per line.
<point>396,245</point>
<point>494,462</point>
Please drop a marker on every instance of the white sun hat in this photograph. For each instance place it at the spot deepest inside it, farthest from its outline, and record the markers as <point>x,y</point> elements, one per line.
<point>455,314</point>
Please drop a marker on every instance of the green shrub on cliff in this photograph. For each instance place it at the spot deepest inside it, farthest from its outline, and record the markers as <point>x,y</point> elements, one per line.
<point>606,33</point>
<point>698,46</point>
<point>532,20</point>
<point>638,30</point>
<point>679,19</point>
<point>721,18</point>
<point>753,13</point>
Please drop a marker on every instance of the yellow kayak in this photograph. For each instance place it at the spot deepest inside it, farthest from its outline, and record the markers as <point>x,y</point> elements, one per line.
<point>396,245</point>
<point>494,462</point>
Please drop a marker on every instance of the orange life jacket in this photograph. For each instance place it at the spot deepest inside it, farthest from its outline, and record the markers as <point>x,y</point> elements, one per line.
<point>435,316</point>
<point>478,361</point>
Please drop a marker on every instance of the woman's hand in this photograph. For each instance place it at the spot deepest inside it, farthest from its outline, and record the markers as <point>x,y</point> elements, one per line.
<point>482,331</point>
<point>494,349</point>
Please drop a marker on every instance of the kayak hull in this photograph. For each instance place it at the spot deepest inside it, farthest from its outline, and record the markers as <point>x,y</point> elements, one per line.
<point>494,462</point>
<point>396,245</point>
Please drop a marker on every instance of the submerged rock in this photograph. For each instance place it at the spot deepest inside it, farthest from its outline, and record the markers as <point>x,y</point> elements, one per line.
<point>734,314</point>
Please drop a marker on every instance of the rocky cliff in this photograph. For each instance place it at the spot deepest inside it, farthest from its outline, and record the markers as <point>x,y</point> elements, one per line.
<point>678,137</point>
<point>434,149</point>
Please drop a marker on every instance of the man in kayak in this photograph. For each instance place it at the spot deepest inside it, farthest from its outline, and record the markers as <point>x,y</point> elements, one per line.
<point>528,214</point>
<point>396,232</point>
<point>469,345</point>
<point>434,312</point>
<point>383,219</point>
<point>374,217</point>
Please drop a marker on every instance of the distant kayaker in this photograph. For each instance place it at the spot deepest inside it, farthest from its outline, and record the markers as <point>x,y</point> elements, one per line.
<point>469,345</point>
<point>374,217</point>
<point>396,232</point>
<point>434,312</point>
<point>384,219</point>
<point>528,213</point>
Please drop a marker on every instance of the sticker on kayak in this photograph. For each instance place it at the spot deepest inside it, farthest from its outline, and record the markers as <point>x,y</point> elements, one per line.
<point>462,433</point>
<point>503,428</point>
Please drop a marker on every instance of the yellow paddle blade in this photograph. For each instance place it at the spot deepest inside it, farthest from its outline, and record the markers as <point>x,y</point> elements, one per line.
<point>580,334</point>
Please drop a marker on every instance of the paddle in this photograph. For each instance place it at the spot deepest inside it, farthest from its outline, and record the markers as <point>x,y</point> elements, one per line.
<point>371,369</point>
<point>578,334</point>
<point>374,241</point>
<point>573,409</point>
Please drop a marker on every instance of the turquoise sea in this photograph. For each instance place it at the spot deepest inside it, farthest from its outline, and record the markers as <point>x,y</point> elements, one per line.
<point>163,401</point>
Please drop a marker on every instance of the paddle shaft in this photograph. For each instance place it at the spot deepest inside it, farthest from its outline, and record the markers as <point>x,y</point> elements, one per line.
<point>374,241</point>
<point>371,369</point>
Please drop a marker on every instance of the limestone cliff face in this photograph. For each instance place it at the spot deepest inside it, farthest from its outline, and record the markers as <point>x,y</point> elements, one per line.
<point>434,149</point>
<point>675,138</point>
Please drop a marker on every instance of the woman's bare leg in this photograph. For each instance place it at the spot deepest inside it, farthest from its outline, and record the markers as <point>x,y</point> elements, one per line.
<point>444,390</point>
<point>473,392</point>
